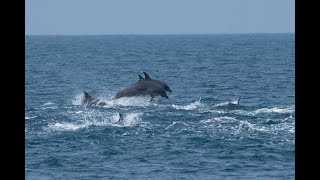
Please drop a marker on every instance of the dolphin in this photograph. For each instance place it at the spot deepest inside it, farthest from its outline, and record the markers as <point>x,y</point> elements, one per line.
<point>160,83</point>
<point>121,120</point>
<point>236,101</point>
<point>142,88</point>
<point>88,100</point>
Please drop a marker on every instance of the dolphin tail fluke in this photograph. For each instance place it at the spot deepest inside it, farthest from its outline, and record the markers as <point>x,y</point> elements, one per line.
<point>146,76</point>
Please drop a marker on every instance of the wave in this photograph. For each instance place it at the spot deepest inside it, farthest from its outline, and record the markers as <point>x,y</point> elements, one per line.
<point>224,118</point>
<point>64,126</point>
<point>274,110</point>
<point>124,101</point>
<point>221,119</point>
<point>32,117</point>
<point>273,128</point>
<point>48,103</point>
<point>92,119</point>
<point>222,104</point>
<point>192,106</point>
<point>177,123</point>
<point>129,101</point>
<point>44,108</point>
<point>216,111</point>
<point>77,99</point>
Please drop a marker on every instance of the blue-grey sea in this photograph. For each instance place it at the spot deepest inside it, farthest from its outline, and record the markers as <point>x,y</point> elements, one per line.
<point>195,134</point>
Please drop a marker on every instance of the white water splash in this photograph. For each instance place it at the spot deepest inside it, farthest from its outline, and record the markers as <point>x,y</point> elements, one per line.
<point>77,99</point>
<point>223,119</point>
<point>192,106</point>
<point>222,104</point>
<point>130,119</point>
<point>275,110</point>
<point>49,108</point>
<point>26,117</point>
<point>175,123</point>
<point>68,126</point>
<point>266,110</point>
<point>274,128</point>
<point>95,119</point>
<point>128,101</point>
<point>124,101</point>
<point>48,103</point>
<point>217,111</point>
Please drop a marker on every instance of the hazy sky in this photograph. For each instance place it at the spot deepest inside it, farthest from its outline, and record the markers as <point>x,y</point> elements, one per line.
<point>159,16</point>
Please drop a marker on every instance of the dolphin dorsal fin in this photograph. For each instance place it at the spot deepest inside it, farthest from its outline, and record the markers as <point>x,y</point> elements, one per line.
<point>146,76</point>
<point>238,101</point>
<point>86,95</point>
<point>120,117</point>
<point>140,78</point>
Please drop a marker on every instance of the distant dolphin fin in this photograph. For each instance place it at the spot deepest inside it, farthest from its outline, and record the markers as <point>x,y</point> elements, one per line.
<point>140,78</point>
<point>120,117</point>
<point>121,120</point>
<point>86,95</point>
<point>238,100</point>
<point>146,76</point>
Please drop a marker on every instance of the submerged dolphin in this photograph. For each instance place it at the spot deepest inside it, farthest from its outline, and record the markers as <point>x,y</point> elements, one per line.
<point>160,83</point>
<point>88,100</point>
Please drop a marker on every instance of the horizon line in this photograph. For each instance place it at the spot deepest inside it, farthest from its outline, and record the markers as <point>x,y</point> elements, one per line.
<point>115,34</point>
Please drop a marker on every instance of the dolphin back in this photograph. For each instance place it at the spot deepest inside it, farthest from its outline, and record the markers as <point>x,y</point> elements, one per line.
<point>142,88</point>
<point>160,83</point>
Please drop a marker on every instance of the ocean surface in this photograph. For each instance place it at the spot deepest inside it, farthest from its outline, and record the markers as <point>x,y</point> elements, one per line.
<point>195,134</point>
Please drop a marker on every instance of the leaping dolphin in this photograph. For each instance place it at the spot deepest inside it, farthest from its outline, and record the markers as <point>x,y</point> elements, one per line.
<point>160,83</point>
<point>142,88</point>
